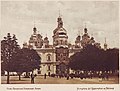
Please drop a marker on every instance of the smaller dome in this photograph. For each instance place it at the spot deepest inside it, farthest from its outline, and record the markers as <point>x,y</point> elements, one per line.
<point>78,37</point>
<point>46,38</point>
<point>25,43</point>
<point>105,44</point>
<point>34,28</point>
<point>92,38</point>
<point>85,30</point>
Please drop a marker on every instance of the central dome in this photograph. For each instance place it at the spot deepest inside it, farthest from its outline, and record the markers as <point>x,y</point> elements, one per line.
<point>60,34</point>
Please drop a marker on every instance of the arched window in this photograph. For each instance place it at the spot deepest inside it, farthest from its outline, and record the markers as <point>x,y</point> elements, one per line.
<point>48,67</point>
<point>48,57</point>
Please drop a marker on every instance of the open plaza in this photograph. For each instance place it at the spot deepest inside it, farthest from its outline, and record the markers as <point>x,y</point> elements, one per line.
<point>55,80</point>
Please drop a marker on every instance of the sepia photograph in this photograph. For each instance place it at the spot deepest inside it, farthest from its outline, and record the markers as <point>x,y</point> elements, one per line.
<point>59,42</point>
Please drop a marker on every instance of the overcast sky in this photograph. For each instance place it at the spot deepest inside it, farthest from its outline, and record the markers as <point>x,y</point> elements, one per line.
<point>101,18</point>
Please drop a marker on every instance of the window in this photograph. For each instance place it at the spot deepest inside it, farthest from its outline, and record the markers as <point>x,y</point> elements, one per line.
<point>61,42</point>
<point>61,33</point>
<point>48,67</point>
<point>49,57</point>
<point>35,43</point>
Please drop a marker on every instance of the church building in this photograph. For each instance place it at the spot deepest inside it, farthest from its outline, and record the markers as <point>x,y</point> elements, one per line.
<point>55,57</point>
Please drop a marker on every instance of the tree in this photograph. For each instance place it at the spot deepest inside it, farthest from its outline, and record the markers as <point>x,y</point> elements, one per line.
<point>85,59</point>
<point>26,60</point>
<point>9,47</point>
<point>15,59</point>
<point>96,59</point>
<point>112,59</point>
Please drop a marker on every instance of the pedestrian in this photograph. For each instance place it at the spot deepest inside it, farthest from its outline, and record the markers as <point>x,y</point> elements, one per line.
<point>107,76</point>
<point>35,75</point>
<point>72,75</point>
<point>91,74</point>
<point>60,75</point>
<point>103,76</point>
<point>81,75</point>
<point>67,76</point>
<point>45,76</point>
<point>57,75</point>
<point>32,78</point>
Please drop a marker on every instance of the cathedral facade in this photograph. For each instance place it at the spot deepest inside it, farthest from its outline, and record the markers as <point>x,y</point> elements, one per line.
<point>55,57</point>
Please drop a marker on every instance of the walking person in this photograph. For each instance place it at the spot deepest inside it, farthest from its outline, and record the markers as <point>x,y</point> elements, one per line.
<point>107,76</point>
<point>81,75</point>
<point>45,76</point>
<point>100,77</point>
<point>32,78</point>
<point>103,76</point>
<point>67,76</point>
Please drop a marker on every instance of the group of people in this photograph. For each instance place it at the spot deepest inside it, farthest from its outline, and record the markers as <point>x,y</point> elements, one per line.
<point>90,75</point>
<point>81,75</point>
<point>104,76</point>
<point>84,75</point>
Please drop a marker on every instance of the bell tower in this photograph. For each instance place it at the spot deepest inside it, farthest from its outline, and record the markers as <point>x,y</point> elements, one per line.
<point>60,42</point>
<point>60,34</point>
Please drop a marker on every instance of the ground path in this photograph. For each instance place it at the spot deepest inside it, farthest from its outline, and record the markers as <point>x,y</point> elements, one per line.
<point>55,80</point>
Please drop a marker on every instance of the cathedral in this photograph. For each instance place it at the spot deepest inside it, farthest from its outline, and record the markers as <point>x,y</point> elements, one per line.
<point>55,57</point>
